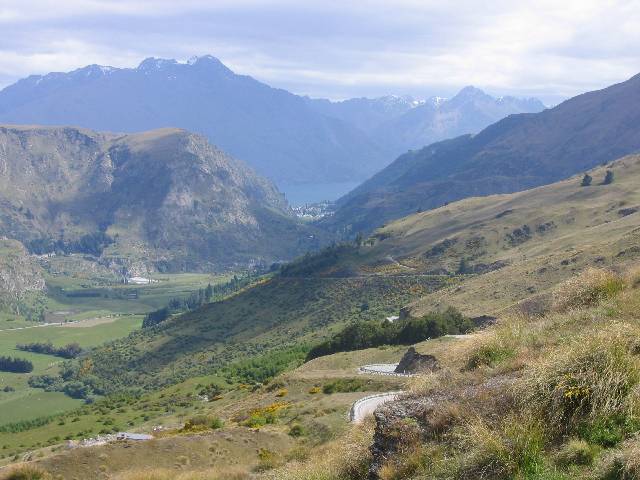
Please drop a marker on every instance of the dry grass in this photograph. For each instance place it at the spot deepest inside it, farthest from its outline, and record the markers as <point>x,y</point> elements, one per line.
<point>25,472</point>
<point>511,449</point>
<point>587,289</point>
<point>623,464</point>
<point>165,474</point>
<point>593,376</point>
<point>345,459</point>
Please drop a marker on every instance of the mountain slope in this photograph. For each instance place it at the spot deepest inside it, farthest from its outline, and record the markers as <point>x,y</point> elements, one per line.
<point>511,247</point>
<point>166,196</point>
<point>273,130</point>
<point>518,152</point>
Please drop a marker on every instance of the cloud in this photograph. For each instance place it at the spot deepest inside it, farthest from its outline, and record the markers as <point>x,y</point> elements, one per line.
<point>340,49</point>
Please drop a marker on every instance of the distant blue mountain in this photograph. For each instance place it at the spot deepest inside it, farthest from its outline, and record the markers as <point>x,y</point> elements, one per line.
<point>293,140</point>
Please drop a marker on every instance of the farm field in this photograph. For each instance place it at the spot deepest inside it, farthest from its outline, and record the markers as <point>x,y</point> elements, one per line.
<point>25,402</point>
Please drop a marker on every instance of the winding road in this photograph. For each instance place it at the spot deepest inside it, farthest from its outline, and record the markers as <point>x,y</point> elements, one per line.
<point>367,405</point>
<point>382,369</point>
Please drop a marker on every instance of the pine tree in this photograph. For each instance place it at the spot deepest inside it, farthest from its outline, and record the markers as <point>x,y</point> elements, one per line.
<point>608,178</point>
<point>462,266</point>
<point>586,180</point>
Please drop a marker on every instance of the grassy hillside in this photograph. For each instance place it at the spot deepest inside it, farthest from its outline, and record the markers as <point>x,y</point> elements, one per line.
<point>299,417</point>
<point>514,246</point>
<point>272,316</point>
<point>544,397</point>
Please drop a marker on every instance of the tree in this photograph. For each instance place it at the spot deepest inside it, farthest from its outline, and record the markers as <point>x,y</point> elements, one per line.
<point>359,239</point>
<point>608,178</point>
<point>463,267</point>
<point>208,292</point>
<point>586,180</point>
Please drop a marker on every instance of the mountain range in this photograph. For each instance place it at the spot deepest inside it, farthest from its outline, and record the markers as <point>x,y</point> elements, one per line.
<point>518,152</point>
<point>166,197</point>
<point>403,123</point>
<point>290,139</point>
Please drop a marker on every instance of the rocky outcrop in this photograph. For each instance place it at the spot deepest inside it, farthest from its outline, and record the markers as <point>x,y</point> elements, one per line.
<point>415,419</point>
<point>19,274</point>
<point>401,424</point>
<point>414,362</point>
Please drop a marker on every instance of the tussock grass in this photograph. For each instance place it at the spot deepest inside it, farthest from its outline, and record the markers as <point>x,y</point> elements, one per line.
<point>592,377</point>
<point>587,289</point>
<point>513,448</point>
<point>511,337</point>
<point>576,452</point>
<point>622,464</point>
<point>632,277</point>
<point>25,472</point>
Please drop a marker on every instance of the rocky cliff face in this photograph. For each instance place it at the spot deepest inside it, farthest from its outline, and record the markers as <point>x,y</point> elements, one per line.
<point>19,274</point>
<point>166,196</point>
<point>415,419</point>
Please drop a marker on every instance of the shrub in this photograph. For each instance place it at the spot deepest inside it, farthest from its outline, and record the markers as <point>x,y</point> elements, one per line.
<point>259,417</point>
<point>267,460</point>
<point>490,354</point>
<point>608,178</point>
<point>587,289</point>
<point>202,422</point>
<point>296,430</point>
<point>346,385</point>
<point>586,180</point>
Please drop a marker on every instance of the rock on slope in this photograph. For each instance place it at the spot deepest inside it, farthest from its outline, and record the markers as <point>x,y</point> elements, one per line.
<point>167,195</point>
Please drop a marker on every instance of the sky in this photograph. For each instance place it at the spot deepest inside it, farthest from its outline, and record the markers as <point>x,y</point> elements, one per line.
<point>341,49</point>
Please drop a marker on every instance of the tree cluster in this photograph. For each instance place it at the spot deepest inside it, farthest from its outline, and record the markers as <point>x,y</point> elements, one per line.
<point>71,350</point>
<point>361,335</point>
<point>15,365</point>
<point>156,317</point>
<point>587,180</point>
<point>91,243</point>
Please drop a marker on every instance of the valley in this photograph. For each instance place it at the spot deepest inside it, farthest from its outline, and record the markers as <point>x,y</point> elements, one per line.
<point>207,277</point>
<point>496,257</point>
